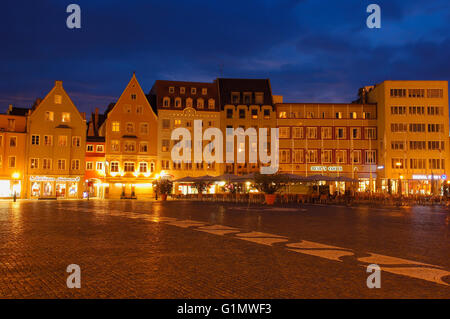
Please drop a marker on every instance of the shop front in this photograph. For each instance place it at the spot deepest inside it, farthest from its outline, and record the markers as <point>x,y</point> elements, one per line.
<point>60,187</point>
<point>9,188</point>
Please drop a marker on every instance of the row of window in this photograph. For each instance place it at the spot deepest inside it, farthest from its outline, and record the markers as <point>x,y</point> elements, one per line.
<point>418,145</point>
<point>48,140</point>
<point>98,148</point>
<point>242,114</point>
<point>311,156</point>
<point>417,110</point>
<point>189,102</point>
<point>166,123</point>
<point>312,132</point>
<point>182,90</point>
<point>130,128</point>
<point>167,165</point>
<point>417,93</point>
<point>129,146</point>
<point>247,98</point>
<point>129,109</point>
<point>50,116</point>
<point>46,163</point>
<point>416,127</point>
<point>323,115</point>
<point>415,163</point>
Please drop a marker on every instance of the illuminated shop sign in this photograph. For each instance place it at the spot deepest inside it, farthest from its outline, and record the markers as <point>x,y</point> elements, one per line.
<point>326,168</point>
<point>426,177</point>
<point>52,179</point>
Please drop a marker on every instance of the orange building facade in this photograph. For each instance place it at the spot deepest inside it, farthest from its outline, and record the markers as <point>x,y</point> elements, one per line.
<point>12,160</point>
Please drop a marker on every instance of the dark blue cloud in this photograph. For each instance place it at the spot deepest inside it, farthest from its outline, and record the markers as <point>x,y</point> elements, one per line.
<point>311,50</point>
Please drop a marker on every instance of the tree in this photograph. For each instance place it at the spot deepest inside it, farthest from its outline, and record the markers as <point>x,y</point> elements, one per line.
<point>269,183</point>
<point>163,186</point>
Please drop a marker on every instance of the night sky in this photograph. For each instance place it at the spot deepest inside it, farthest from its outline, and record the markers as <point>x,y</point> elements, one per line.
<point>312,50</point>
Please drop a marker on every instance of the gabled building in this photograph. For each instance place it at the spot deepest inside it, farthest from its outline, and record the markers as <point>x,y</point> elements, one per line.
<point>55,147</point>
<point>130,129</point>
<point>12,150</point>
<point>95,157</point>
<point>179,104</point>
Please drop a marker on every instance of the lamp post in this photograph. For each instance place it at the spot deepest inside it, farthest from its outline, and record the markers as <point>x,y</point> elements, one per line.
<point>15,177</point>
<point>400,177</point>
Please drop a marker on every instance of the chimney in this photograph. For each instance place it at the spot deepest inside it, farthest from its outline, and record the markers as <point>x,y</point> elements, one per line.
<point>96,116</point>
<point>58,84</point>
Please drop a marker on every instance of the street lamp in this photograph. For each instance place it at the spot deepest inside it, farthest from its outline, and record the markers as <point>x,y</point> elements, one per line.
<point>15,176</point>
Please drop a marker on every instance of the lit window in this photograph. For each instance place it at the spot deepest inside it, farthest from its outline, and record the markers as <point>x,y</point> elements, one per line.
<point>49,116</point>
<point>182,90</point>
<point>204,91</point>
<point>100,148</point>
<point>89,148</point>
<point>115,127</point>
<point>65,117</point>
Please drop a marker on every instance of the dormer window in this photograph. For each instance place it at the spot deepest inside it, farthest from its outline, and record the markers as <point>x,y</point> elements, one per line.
<point>166,102</point>
<point>211,104</point>
<point>193,90</point>
<point>182,90</point>
<point>259,98</point>
<point>188,102</point>
<point>178,102</point>
<point>200,103</point>
<point>235,97</point>
<point>171,89</point>
<point>204,91</point>
<point>247,98</point>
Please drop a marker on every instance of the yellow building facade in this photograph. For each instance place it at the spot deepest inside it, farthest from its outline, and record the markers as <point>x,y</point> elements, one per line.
<point>55,148</point>
<point>413,126</point>
<point>179,104</point>
<point>12,150</point>
<point>130,131</point>
<point>329,139</point>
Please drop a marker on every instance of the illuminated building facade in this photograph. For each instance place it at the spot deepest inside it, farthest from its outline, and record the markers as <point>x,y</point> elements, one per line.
<point>55,148</point>
<point>179,104</point>
<point>413,127</point>
<point>330,140</point>
<point>12,150</point>
<point>130,131</point>
<point>245,103</point>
